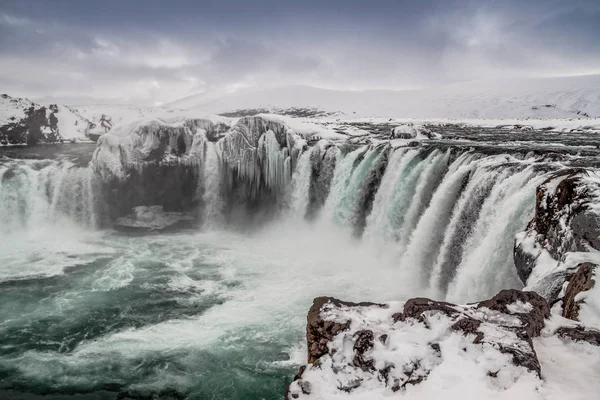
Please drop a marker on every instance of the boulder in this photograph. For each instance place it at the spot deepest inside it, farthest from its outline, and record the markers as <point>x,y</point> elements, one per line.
<point>581,281</point>
<point>389,347</point>
<point>153,219</point>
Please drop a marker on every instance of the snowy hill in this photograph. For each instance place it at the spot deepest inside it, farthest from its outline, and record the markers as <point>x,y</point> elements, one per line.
<point>23,121</point>
<point>573,100</point>
<point>567,97</point>
<point>116,113</point>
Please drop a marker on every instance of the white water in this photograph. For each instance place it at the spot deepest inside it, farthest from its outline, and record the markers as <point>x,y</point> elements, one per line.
<point>37,193</point>
<point>301,186</point>
<point>424,208</point>
<point>212,196</point>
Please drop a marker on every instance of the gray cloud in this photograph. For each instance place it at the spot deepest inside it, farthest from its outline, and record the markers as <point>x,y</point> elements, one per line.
<point>143,52</point>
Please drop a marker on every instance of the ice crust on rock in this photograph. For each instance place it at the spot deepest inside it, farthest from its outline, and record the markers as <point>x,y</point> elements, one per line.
<point>424,349</point>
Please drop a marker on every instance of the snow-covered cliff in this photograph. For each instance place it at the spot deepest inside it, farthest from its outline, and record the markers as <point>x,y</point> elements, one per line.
<point>23,121</point>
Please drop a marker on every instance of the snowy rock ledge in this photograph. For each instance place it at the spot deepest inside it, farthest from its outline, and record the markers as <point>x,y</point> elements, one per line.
<point>422,348</point>
<point>566,220</point>
<point>559,253</point>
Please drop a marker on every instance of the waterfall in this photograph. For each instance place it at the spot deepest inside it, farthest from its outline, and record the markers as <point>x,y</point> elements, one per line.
<point>43,192</point>
<point>488,265</point>
<point>380,223</point>
<point>212,196</point>
<point>300,196</point>
<point>449,224</point>
<point>351,184</point>
<point>445,215</point>
<point>427,237</point>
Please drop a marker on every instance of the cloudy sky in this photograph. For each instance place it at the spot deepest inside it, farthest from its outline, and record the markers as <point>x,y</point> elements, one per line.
<point>153,52</point>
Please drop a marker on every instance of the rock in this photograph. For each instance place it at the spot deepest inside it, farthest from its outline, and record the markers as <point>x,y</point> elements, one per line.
<point>387,349</point>
<point>564,222</point>
<point>469,326</point>
<point>580,282</point>
<point>364,342</point>
<point>319,331</point>
<point>580,334</point>
<point>534,308</point>
<point>414,308</point>
<point>411,131</point>
<point>153,218</point>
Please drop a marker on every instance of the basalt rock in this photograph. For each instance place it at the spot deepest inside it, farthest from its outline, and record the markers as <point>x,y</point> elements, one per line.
<point>320,331</point>
<point>581,281</point>
<point>580,334</point>
<point>361,345</point>
<point>535,308</point>
<point>565,221</point>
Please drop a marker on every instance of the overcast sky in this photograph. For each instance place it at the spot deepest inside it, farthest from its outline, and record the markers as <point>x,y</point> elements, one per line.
<point>152,52</point>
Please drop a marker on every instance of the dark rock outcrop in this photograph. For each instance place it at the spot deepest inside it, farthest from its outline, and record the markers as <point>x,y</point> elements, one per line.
<point>581,281</point>
<point>532,319</point>
<point>580,334</point>
<point>320,331</point>
<point>31,123</point>
<point>341,343</point>
<point>564,222</point>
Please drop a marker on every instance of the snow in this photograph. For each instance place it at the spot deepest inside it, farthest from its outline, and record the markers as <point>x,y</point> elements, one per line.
<point>118,113</point>
<point>537,99</point>
<point>71,125</point>
<point>571,370</point>
<point>519,307</point>
<point>12,108</point>
<point>589,310</point>
<point>305,128</point>
<point>460,369</point>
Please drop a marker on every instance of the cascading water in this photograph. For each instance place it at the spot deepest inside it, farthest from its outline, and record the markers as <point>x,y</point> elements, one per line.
<point>449,225</point>
<point>34,193</point>
<point>300,196</point>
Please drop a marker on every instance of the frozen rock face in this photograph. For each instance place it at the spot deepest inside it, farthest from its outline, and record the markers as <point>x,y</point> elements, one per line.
<point>367,350</point>
<point>262,152</point>
<point>565,228</point>
<point>557,255</point>
<point>25,122</point>
<point>212,164</point>
<point>152,141</point>
<point>582,281</point>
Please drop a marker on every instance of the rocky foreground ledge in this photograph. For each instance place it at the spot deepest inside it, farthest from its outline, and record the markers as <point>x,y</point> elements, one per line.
<point>427,349</point>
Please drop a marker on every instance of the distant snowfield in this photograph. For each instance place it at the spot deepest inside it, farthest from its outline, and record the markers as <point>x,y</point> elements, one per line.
<point>545,98</point>
<point>563,104</point>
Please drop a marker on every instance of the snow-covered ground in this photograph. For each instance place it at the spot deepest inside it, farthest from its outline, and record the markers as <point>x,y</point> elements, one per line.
<point>568,97</point>
<point>564,104</point>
